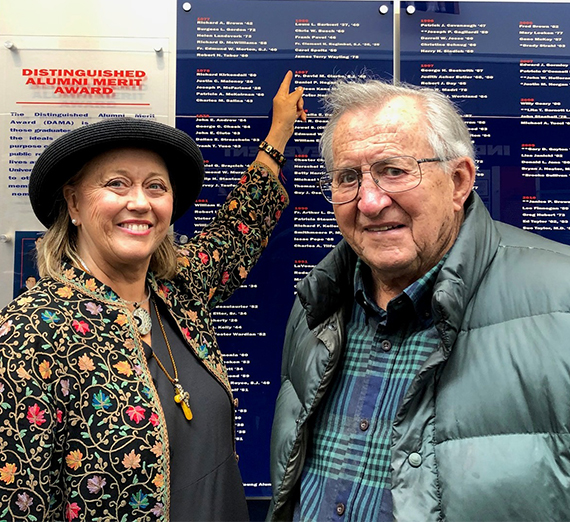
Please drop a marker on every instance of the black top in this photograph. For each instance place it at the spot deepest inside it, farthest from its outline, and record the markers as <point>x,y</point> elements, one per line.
<point>205,482</point>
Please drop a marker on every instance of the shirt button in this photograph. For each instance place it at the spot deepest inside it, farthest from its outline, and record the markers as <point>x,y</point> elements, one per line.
<point>386,345</point>
<point>415,459</point>
<point>332,327</point>
<point>340,509</point>
<point>364,424</point>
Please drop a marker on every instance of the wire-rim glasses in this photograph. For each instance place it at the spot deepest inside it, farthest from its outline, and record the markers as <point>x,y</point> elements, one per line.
<point>392,175</point>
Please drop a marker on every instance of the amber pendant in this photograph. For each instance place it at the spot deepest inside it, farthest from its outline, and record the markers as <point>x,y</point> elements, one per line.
<point>182,397</point>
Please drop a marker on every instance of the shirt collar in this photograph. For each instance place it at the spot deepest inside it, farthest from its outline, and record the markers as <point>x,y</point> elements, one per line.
<point>416,297</point>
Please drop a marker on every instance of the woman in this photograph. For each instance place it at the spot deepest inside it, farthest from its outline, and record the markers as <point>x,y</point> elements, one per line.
<point>114,400</point>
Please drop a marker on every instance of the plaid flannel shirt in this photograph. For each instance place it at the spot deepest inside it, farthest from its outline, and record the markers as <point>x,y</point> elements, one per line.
<point>347,471</point>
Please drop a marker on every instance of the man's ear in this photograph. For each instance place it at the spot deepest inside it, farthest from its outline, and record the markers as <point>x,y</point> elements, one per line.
<point>463,176</point>
<point>71,200</point>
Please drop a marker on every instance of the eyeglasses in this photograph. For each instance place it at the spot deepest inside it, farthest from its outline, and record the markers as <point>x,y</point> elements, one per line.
<point>392,175</point>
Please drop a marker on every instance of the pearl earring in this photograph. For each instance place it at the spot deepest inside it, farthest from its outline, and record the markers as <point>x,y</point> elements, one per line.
<point>74,221</point>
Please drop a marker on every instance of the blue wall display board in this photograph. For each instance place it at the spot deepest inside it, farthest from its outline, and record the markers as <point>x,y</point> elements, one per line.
<point>232,56</point>
<point>507,67</point>
<point>24,259</point>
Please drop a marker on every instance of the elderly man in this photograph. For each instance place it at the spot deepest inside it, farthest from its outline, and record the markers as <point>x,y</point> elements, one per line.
<point>426,367</point>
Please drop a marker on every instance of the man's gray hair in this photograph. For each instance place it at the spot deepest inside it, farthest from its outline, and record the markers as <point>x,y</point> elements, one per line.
<point>447,133</point>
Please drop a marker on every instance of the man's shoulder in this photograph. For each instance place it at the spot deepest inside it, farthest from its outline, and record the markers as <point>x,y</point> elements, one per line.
<point>328,285</point>
<point>529,244</point>
<point>527,276</point>
<point>521,278</point>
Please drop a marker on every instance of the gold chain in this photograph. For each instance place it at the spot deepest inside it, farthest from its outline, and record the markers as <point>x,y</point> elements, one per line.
<point>181,396</point>
<point>172,380</point>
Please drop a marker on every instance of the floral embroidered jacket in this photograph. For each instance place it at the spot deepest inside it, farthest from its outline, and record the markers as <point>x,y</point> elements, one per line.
<point>82,431</point>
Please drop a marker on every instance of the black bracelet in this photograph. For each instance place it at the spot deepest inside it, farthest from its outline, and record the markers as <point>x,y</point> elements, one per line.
<point>273,152</point>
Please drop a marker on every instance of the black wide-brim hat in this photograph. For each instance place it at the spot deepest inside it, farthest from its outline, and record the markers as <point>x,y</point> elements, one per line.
<point>63,158</point>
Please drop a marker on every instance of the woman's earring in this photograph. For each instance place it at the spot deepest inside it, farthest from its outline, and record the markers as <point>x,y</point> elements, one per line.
<point>74,221</point>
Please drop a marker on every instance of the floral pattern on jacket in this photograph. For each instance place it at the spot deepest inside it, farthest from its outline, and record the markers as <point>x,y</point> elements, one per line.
<point>82,432</point>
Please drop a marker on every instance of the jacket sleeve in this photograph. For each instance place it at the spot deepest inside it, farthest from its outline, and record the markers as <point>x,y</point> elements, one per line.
<point>29,419</point>
<point>285,440</point>
<point>218,259</point>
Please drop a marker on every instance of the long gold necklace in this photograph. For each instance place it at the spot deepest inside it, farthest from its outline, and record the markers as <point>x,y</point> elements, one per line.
<point>181,396</point>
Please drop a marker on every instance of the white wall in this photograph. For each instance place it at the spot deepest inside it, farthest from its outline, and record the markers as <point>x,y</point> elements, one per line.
<point>81,25</point>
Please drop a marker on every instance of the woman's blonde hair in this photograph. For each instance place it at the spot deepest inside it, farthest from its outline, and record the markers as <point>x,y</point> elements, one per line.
<point>59,244</point>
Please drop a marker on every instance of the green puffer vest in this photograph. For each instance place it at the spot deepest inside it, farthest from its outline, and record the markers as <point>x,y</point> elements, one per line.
<point>483,432</point>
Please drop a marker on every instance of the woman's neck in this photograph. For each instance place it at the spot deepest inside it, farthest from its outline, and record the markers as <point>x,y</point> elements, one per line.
<point>128,282</point>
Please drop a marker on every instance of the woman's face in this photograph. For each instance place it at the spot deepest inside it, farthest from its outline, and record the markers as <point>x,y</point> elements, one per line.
<point>122,204</point>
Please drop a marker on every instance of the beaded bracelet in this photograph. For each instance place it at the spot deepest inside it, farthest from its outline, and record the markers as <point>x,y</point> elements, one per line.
<point>273,152</point>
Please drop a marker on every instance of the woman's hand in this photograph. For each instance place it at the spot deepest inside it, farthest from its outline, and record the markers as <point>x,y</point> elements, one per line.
<point>287,108</point>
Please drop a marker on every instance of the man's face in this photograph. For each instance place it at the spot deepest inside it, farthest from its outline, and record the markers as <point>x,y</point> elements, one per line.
<point>400,236</point>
